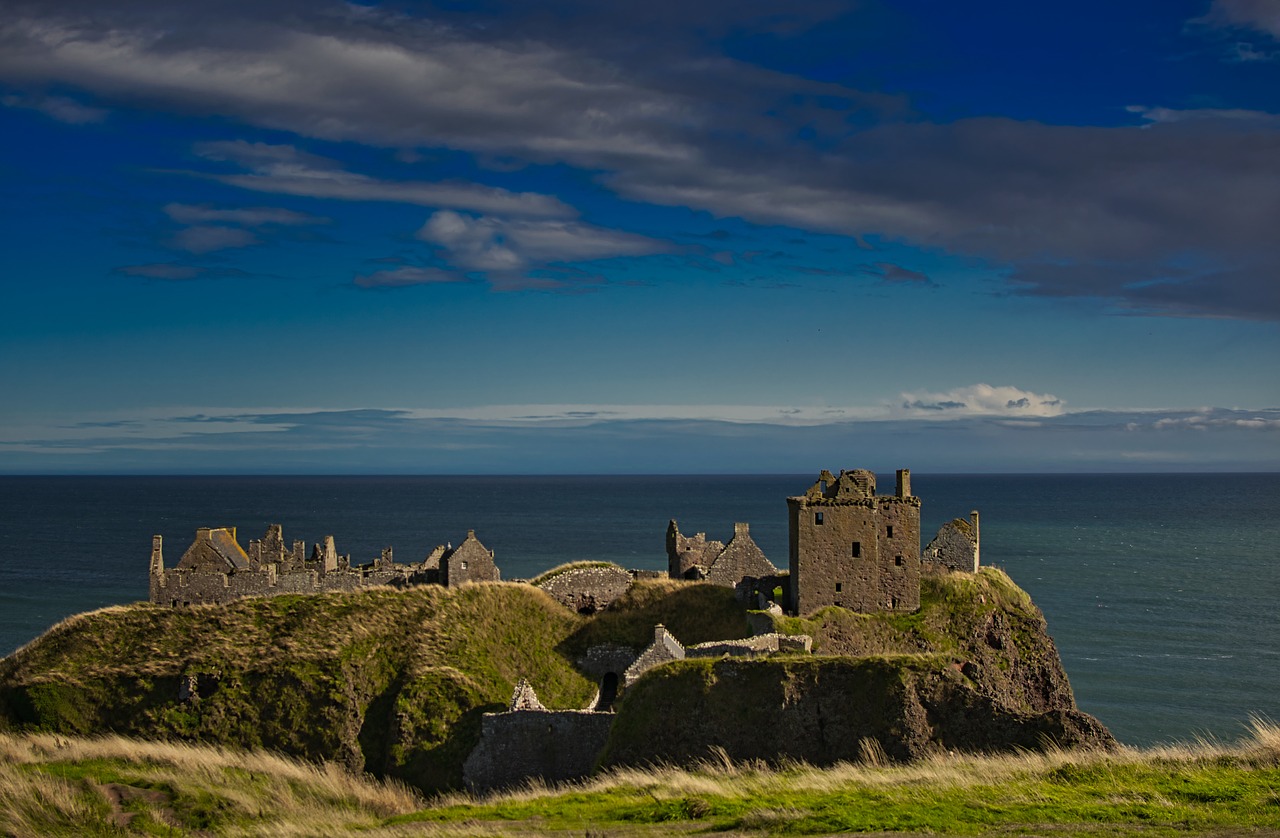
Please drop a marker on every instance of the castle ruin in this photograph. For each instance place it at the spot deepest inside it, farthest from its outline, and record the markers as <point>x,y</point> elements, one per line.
<point>215,568</point>
<point>852,548</point>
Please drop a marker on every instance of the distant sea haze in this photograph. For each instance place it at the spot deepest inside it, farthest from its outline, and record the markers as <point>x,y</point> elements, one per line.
<point>1159,590</point>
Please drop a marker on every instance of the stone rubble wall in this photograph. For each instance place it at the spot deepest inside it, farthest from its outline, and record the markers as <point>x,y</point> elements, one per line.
<point>588,589</point>
<point>556,745</point>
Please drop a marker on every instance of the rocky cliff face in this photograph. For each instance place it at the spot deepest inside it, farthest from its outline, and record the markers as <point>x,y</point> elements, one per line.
<point>824,710</point>
<point>974,669</point>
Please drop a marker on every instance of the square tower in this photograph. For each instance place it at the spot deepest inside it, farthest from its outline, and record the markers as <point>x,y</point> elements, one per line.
<point>852,548</point>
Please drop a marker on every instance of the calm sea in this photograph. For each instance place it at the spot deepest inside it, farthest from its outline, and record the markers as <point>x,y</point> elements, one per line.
<point>1160,590</point>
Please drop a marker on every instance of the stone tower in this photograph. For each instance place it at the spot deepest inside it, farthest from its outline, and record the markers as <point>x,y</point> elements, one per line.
<point>853,548</point>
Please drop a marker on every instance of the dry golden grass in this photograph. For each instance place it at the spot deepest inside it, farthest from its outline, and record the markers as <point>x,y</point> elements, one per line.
<point>52,784</point>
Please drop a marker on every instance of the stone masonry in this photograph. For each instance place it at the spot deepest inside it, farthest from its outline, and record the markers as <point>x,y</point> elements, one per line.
<point>957,545</point>
<point>694,557</point>
<point>215,568</point>
<point>852,548</point>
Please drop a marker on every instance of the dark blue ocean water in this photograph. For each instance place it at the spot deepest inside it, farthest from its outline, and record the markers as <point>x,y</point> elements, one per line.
<point>1160,590</point>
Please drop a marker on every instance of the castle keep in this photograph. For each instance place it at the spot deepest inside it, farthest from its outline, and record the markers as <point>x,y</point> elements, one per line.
<point>852,548</point>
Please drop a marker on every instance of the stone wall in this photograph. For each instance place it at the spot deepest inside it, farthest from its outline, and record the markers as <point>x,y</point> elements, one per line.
<point>757,646</point>
<point>694,557</point>
<point>664,648</point>
<point>556,745</point>
<point>588,589</point>
<point>852,548</point>
<point>215,569</point>
<point>956,546</point>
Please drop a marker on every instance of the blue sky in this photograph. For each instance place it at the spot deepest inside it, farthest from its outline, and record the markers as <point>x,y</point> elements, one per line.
<point>574,236</point>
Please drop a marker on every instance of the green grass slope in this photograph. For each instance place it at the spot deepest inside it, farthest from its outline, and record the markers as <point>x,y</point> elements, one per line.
<point>394,682</point>
<point>388,681</point>
<point>71,786</point>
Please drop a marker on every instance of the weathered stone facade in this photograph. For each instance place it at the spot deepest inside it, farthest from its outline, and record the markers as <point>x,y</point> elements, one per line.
<point>587,589</point>
<point>529,741</point>
<point>852,548</point>
<point>957,546</point>
<point>694,557</point>
<point>216,569</point>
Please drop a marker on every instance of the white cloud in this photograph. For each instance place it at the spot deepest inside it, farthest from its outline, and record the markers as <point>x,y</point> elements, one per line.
<point>496,244</point>
<point>979,400</point>
<point>1168,115</point>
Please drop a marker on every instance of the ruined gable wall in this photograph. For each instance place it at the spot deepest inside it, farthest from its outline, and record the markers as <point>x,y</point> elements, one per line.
<point>741,558</point>
<point>203,555</point>
<point>954,547</point>
<point>469,562</point>
<point>664,648</point>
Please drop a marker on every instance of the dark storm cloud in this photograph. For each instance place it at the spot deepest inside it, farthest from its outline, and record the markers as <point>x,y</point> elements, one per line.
<point>1171,217</point>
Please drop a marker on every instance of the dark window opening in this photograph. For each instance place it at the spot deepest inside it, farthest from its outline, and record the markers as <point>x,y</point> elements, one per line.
<point>817,517</point>
<point>897,560</point>
<point>889,531</point>
<point>857,549</point>
<point>838,586</point>
<point>893,603</point>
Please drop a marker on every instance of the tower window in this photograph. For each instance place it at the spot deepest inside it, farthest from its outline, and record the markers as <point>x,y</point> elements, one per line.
<point>889,531</point>
<point>857,549</point>
<point>838,586</point>
<point>817,517</point>
<point>897,560</point>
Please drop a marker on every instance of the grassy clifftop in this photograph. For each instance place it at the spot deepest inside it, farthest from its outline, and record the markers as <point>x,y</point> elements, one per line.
<point>388,681</point>
<point>394,682</point>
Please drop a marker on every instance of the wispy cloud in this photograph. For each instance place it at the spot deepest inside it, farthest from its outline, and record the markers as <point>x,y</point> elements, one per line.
<point>611,438</point>
<point>407,275</point>
<point>61,108</point>
<point>244,216</point>
<point>285,170</point>
<point>498,245</point>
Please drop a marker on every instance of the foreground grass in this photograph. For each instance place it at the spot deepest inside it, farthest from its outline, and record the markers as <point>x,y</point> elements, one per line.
<point>57,786</point>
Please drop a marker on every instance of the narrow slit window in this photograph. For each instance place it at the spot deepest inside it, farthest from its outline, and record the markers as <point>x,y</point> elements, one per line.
<point>889,531</point>
<point>857,549</point>
<point>817,517</point>
<point>897,560</point>
<point>838,586</point>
